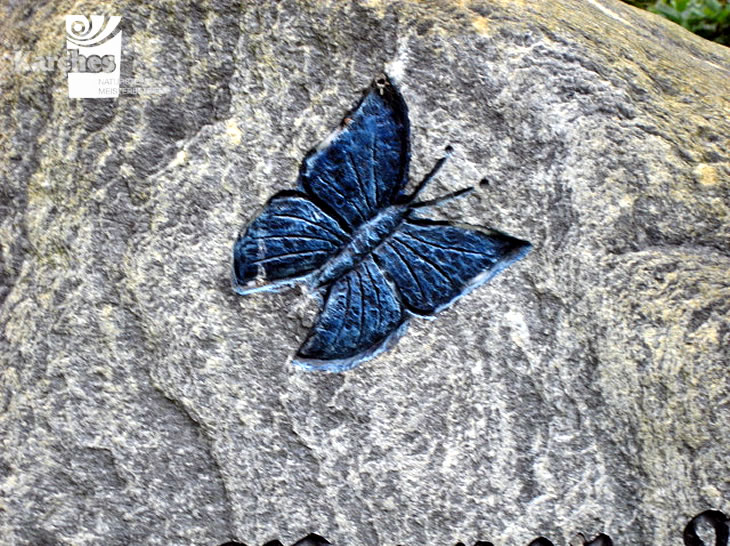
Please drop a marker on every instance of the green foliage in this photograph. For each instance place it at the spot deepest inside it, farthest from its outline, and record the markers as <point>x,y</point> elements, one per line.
<point>643,4</point>
<point>708,18</point>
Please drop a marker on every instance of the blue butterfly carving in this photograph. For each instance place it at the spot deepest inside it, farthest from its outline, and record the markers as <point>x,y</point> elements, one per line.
<point>355,236</point>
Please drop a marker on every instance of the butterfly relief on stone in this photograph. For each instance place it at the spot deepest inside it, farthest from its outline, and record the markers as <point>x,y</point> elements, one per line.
<point>360,241</point>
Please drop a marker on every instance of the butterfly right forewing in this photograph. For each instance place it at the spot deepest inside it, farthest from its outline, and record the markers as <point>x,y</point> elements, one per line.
<point>434,263</point>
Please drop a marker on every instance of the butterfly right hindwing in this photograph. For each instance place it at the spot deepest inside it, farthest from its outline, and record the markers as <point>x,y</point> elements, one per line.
<point>362,314</point>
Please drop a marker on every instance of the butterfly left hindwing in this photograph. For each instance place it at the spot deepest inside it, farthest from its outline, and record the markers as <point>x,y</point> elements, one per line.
<point>291,238</point>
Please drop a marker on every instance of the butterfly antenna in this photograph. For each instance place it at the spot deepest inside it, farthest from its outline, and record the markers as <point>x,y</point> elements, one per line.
<point>432,173</point>
<point>443,198</point>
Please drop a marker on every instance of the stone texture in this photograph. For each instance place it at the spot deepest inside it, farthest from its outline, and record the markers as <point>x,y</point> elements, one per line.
<point>585,389</point>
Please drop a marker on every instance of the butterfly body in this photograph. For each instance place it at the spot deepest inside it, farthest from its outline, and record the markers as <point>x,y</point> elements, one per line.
<point>364,240</point>
<point>358,239</point>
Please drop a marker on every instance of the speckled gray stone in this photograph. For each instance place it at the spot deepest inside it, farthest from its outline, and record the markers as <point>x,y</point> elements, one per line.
<point>585,389</point>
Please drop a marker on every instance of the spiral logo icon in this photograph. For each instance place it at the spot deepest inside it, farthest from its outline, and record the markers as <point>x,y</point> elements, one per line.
<point>94,55</point>
<point>82,32</point>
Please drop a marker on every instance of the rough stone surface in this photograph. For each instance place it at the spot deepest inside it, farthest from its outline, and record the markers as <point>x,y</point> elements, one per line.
<point>585,389</point>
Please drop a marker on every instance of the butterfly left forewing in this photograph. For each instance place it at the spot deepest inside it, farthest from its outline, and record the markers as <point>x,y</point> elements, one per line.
<point>361,316</point>
<point>290,239</point>
<point>363,166</point>
<point>434,263</point>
